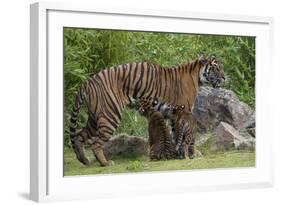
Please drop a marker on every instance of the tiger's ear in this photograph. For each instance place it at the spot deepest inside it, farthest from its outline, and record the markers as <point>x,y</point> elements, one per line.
<point>213,58</point>
<point>202,59</point>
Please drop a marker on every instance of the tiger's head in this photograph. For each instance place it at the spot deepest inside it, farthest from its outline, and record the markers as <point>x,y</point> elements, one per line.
<point>211,71</point>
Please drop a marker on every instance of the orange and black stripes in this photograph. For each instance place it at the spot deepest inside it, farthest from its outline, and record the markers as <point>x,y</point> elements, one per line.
<point>185,128</point>
<point>108,92</point>
<point>160,140</point>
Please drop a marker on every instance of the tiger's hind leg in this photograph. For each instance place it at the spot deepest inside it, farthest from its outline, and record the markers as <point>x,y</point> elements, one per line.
<point>105,131</point>
<point>85,135</point>
<point>78,146</point>
<point>155,152</point>
<point>97,149</point>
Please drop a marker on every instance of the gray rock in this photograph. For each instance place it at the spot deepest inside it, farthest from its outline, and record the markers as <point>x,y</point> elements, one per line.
<point>215,105</point>
<point>126,146</point>
<point>227,136</point>
<point>250,126</point>
<point>249,140</point>
<point>252,131</point>
<point>202,139</point>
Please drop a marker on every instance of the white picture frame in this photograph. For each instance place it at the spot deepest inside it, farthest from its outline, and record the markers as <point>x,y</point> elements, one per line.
<point>47,182</point>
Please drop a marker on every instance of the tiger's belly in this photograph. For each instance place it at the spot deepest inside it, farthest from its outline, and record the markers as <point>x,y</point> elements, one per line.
<point>164,108</point>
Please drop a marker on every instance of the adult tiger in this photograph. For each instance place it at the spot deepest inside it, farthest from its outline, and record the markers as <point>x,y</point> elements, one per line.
<point>109,91</point>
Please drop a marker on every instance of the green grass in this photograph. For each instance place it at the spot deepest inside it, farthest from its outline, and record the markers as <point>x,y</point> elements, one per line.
<point>123,164</point>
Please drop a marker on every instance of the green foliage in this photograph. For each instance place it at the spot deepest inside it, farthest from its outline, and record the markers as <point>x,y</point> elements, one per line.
<point>134,165</point>
<point>88,51</point>
<point>132,123</point>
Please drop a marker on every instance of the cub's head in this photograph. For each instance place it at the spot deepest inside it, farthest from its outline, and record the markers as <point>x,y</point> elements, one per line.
<point>211,71</point>
<point>177,109</point>
<point>146,106</point>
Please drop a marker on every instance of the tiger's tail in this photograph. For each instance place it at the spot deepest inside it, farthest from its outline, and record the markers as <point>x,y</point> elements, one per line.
<point>76,140</point>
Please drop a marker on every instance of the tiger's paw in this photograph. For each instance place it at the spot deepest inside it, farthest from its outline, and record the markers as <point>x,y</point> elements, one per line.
<point>108,163</point>
<point>86,162</point>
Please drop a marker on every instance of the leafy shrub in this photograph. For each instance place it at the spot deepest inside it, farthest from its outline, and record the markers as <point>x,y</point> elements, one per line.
<point>134,165</point>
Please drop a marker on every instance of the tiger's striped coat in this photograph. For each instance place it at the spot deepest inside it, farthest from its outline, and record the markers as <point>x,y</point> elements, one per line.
<point>108,92</point>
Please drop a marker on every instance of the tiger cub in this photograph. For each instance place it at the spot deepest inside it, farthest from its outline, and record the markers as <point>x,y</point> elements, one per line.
<point>160,140</point>
<point>185,128</point>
